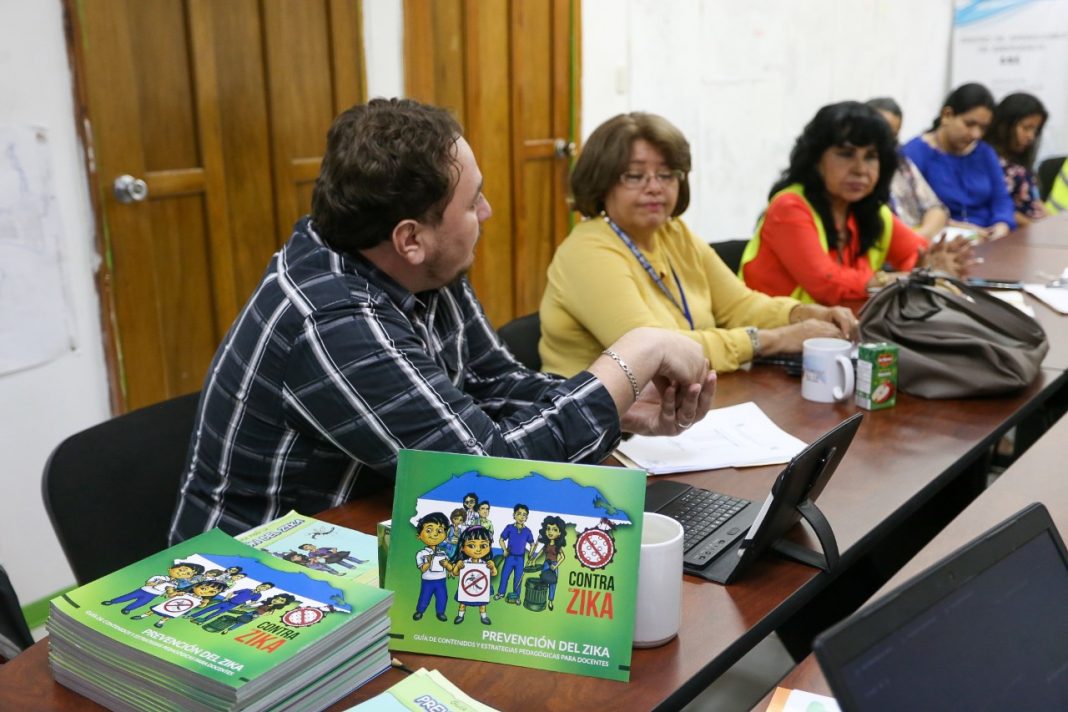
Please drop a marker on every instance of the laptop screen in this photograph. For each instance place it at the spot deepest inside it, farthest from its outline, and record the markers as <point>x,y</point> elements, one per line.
<point>998,640</point>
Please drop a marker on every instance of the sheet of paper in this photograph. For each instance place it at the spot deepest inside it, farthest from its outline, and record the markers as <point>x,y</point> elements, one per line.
<point>1014,297</point>
<point>951,232</point>
<point>786,700</point>
<point>1055,298</point>
<point>737,436</point>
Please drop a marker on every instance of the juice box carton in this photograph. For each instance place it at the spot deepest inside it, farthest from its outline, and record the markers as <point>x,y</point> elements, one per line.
<point>876,375</point>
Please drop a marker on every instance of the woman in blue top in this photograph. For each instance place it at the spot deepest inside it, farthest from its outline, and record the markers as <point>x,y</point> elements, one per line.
<point>962,170</point>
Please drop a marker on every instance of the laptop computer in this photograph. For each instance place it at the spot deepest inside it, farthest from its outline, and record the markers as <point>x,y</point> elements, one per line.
<point>985,628</point>
<point>723,535</point>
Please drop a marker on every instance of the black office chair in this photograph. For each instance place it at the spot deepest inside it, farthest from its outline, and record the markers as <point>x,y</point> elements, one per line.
<point>1047,174</point>
<point>110,490</point>
<point>14,633</point>
<point>521,336</point>
<point>730,251</point>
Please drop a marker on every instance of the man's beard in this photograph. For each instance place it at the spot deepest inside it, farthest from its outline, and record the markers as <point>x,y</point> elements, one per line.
<point>444,280</point>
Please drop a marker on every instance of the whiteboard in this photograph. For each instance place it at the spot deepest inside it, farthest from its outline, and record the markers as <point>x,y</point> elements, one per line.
<point>741,80</point>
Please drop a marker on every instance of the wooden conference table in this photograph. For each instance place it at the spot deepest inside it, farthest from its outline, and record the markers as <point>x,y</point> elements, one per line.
<point>1026,254</point>
<point>903,460</point>
<point>1048,232</point>
<point>1038,476</point>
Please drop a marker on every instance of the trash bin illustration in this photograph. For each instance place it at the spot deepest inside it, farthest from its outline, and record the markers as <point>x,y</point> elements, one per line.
<point>536,593</point>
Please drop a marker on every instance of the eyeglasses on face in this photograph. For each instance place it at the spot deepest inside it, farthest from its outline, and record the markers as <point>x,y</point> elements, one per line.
<point>667,179</point>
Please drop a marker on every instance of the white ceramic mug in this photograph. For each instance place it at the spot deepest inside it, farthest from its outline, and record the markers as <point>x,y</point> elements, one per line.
<point>828,376</point>
<point>659,582</point>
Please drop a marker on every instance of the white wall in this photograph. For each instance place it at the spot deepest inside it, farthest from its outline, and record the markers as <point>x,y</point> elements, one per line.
<point>741,79</point>
<point>41,406</point>
<point>383,27</point>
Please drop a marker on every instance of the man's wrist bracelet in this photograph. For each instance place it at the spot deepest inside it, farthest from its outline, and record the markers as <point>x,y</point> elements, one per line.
<point>626,371</point>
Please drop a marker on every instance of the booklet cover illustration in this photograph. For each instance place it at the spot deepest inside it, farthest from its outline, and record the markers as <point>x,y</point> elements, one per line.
<point>515,561</point>
<point>318,545</point>
<point>217,608</point>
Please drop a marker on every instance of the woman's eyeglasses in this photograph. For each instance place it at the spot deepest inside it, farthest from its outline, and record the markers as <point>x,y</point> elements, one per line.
<point>667,179</point>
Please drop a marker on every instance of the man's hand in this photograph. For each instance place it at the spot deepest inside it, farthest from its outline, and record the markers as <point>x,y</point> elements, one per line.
<point>666,409</point>
<point>682,360</point>
<point>645,355</point>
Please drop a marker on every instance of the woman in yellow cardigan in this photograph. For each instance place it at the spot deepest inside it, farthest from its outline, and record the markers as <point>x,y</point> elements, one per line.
<point>633,262</point>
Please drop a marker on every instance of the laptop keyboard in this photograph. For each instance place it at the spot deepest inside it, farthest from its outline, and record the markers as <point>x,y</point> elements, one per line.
<point>701,512</point>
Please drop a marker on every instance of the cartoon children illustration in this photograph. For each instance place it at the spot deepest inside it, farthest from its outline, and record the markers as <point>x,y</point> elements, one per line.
<point>312,562</point>
<point>452,538</point>
<point>474,568</point>
<point>231,601</point>
<point>431,562</point>
<point>232,575</point>
<point>229,576</point>
<point>178,576</point>
<point>516,539</point>
<point>483,517</point>
<point>275,603</point>
<point>470,510</point>
<point>183,600</point>
<point>552,537</point>
<point>331,555</point>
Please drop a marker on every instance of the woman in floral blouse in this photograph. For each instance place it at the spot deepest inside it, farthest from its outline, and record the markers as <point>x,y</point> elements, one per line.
<point>1014,134</point>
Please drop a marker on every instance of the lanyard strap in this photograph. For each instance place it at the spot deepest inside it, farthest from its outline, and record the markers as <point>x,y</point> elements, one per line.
<point>684,307</point>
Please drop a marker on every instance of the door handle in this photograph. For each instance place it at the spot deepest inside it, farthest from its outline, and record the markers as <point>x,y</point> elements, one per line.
<point>129,189</point>
<point>563,148</point>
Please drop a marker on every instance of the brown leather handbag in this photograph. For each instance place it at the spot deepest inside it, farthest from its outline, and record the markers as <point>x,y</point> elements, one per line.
<point>955,341</point>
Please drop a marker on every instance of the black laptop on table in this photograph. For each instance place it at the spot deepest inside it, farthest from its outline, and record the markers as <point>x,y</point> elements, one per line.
<point>985,628</point>
<point>723,535</point>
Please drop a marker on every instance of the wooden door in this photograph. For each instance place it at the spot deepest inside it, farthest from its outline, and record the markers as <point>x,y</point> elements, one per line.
<point>509,71</point>
<point>221,108</point>
<point>544,94</point>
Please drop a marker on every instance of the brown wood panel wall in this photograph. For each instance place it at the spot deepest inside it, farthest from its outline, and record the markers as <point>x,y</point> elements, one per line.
<point>504,68</point>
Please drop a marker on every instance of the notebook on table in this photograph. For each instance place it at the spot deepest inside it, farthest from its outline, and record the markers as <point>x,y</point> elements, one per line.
<point>984,628</point>
<point>723,535</point>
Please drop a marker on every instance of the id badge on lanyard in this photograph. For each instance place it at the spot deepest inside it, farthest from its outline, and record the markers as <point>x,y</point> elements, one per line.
<point>684,307</point>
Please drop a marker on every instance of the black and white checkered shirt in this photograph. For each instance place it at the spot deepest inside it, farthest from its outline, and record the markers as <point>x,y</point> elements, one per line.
<point>332,367</point>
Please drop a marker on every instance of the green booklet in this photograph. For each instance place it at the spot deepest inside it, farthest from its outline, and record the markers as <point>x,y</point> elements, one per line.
<point>319,546</point>
<point>515,561</point>
<point>422,690</point>
<point>213,619</point>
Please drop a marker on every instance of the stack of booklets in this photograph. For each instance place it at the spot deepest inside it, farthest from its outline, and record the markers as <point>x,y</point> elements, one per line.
<point>214,623</point>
